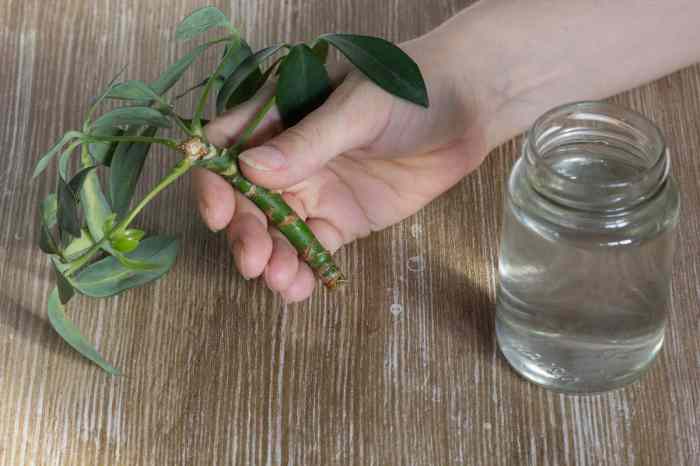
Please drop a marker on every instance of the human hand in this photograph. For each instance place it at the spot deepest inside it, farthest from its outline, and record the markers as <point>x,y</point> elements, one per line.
<point>362,161</point>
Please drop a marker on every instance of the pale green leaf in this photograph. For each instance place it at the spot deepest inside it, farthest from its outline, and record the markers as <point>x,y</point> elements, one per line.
<point>49,207</point>
<point>129,262</point>
<point>102,152</point>
<point>124,116</point>
<point>95,205</point>
<point>133,90</point>
<point>108,276</point>
<point>175,71</point>
<point>46,158</point>
<point>71,334</point>
<point>200,21</point>
<point>79,245</point>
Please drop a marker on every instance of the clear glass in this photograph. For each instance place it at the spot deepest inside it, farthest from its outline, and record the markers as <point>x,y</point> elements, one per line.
<point>587,249</point>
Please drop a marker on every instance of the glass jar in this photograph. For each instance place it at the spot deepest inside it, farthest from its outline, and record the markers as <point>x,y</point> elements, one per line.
<point>587,249</point>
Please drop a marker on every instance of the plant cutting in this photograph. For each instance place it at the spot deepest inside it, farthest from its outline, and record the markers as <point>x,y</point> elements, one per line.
<point>88,231</point>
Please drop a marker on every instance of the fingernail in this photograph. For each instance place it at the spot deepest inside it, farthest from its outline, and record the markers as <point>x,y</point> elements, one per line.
<point>264,158</point>
<point>206,216</point>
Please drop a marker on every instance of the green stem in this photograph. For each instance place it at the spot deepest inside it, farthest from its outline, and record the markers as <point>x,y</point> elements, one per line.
<point>278,212</point>
<point>293,228</point>
<point>162,141</point>
<point>253,125</point>
<point>199,111</point>
<point>180,169</point>
<point>178,120</point>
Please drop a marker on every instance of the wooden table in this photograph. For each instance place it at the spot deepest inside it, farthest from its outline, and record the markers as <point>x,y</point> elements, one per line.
<point>400,368</point>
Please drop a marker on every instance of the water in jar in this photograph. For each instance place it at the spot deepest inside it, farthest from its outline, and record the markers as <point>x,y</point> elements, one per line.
<point>582,301</point>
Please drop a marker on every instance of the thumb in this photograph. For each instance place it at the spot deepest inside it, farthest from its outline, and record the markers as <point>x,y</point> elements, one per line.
<point>352,117</point>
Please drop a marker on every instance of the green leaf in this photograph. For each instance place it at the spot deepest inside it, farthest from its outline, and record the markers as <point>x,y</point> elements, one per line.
<point>202,83</point>
<point>125,241</point>
<point>102,95</point>
<point>175,71</point>
<point>128,262</point>
<point>384,63</point>
<point>46,158</point>
<point>134,233</point>
<point>125,172</point>
<point>79,245</point>
<point>76,183</point>
<point>109,223</point>
<point>95,205</point>
<point>65,289</point>
<point>132,116</point>
<point>46,242</point>
<point>231,62</point>
<point>303,84</point>
<point>125,245</point>
<point>133,90</point>
<point>250,66</point>
<point>320,49</point>
<point>200,21</point>
<point>70,333</point>
<point>67,213</point>
<point>64,160</point>
<point>49,207</point>
<point>102,152</point>
<point>108,276</point>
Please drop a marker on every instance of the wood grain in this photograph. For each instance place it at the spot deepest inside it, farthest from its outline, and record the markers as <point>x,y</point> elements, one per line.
<point>401,368</point>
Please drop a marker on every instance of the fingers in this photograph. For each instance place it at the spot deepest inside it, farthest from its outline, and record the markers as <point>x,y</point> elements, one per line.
<point>286,273</point>
<point>284,264</point>
<point>214,195</point>
<point>250,243</point>
<point>225,129</point>
<point>215,198</point>
<point>302,286</point>
<point>351,118</point>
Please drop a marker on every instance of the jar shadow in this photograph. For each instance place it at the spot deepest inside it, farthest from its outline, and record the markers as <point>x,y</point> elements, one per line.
<point>466,310</point>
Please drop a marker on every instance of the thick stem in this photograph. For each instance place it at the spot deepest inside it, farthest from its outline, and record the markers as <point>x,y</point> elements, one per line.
<point>292,227</point>
<point>275,208</point>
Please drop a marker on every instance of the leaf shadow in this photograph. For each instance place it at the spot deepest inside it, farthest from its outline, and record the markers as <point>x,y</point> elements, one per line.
<point>30,327</point>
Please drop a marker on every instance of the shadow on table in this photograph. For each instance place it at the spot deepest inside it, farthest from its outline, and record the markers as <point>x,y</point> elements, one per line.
<point>26,326</point>
<point>468,308</point>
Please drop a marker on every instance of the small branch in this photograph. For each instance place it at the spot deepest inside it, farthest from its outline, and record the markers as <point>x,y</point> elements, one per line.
<point>180,169</point>
<point>197,117</point>
<point>253,125</point>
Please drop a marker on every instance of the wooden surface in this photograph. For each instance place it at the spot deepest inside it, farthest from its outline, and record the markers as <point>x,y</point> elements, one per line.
<point>399,369</point>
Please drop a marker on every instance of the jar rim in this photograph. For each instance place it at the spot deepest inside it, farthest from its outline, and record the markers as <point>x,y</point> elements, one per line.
<point>634,119</point>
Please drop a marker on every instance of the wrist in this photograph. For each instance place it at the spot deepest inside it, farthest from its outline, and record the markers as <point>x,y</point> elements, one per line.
<point>459,56</point>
